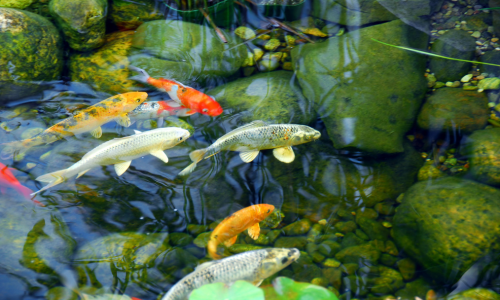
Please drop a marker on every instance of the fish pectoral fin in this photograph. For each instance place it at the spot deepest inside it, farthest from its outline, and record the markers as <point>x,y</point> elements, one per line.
<point>173,104</point>
<point>284,154</point>
<point>123,120</point>
<point>161,155</point>
<point>254,231</point>
<point>137,131</point>
<point>81,173</point>
<point>159,123</point>
<point>231,241</point>
<point>249,156</point>
<point>173,94</point>
<point>122,167</point>
<point>97,132</point>
<point>257,282</point>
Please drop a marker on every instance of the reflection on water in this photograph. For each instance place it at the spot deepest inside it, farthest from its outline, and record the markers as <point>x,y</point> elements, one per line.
<point>397,199</point>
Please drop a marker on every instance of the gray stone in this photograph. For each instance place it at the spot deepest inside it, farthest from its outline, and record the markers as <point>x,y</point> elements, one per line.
<point>343,91</point>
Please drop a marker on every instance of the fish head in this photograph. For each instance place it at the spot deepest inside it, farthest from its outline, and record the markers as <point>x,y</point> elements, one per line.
<point>208,106</point>
<point>264,210</point>
<point>276,260</point>
<point>132,100</point>
<point>179,136</point>
<point>305,134</point>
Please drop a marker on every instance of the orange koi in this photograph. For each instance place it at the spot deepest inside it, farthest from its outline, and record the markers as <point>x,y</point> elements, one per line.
<point>184,95</point>
<point>89,119</point>
<point>159,110</point>
<point>8,180</point>
<point>247,218</point>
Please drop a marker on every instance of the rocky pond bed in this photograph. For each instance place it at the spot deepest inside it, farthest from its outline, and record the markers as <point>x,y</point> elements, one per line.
<point>398,199</point>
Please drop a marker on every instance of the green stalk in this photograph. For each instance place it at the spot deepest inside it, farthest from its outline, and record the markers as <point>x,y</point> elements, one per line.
<point>489,8</point>
<point>435,55</point>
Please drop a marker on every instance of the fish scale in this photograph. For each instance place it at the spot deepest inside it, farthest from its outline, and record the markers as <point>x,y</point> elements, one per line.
<point>253,266</point>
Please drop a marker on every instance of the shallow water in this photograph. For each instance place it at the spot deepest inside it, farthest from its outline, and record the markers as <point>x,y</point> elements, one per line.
<point>365,228</point>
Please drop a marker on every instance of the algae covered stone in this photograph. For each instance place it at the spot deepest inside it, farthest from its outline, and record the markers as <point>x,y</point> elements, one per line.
<point>186,52</point>
<point>105,69</point>
<point>20,4</point>
<point>83,22</point>
<point>128,15</point>
<point>456,221</point>
<point>31,53</point>
<point>266,96</point>
<point>481,147</point>
<point>475,294</point>
<point>367,106</point>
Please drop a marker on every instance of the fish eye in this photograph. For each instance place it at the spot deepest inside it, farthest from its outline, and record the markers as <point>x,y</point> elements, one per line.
<point>284,260</point>
<point>138,100</point>
<point>180,139</point>
<point>205,110</point>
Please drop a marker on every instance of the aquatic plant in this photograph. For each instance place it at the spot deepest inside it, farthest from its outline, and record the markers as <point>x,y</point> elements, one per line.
<point>283,288</point>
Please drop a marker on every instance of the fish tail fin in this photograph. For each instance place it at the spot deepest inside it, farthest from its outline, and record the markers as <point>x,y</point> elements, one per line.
<point>212,249</point>
<point>53,179</point>
<point>143,76</point>
<point>12,148</point>
<point>195,156</point>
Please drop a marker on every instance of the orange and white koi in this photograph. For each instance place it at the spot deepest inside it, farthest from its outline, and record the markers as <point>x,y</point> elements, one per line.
<point>184,95</point>
<point>159,110</point>
<point>227,231</point>
<point>89,119</point>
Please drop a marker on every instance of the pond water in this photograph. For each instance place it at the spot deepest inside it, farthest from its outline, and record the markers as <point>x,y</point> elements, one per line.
<point>397,199</point>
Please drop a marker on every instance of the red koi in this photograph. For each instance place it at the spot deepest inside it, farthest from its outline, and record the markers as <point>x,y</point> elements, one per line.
<point>8,180</point>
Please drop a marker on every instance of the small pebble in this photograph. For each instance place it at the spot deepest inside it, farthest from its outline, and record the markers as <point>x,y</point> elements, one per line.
<point>476,34</point>
<point>494,40</point>
<point>30,166</point>
<point>322,222</point>
<point>466,78</point>
<point>387,224</point>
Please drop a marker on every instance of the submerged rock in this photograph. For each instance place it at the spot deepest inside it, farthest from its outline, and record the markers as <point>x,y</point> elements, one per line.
<point>475,294</point>
<point>31,53</point>
<point>20,4</point>
<point>106,68</point>
<point>361,104</point>
<point>164,50</point>
<point>128,15</point>
<point>266,96</point>
<point>456,221</point>
<point>83,22</point>
<point>481,148</point>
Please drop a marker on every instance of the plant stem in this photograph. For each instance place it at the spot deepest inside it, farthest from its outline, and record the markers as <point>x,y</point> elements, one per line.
<point>219,33</point>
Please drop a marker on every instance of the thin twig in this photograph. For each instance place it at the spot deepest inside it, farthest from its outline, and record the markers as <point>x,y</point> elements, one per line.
<point>219,32</point>
<point>264,32</point>
<point>287,28</point>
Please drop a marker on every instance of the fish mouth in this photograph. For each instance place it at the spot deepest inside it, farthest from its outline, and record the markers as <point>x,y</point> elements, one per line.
<point>216,112</point>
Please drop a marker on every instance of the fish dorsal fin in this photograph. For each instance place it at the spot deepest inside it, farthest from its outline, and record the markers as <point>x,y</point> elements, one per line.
<point>137,131</point>
<point>205,265</point>
<point>254,124</point>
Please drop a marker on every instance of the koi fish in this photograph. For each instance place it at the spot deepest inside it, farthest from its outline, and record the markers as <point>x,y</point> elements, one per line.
<point>253,137</point>
<point>184,95</point>
<point>8,180</point>
<point>253,266</point>
<point>120,152</point>
<point>247,218</point>
<point>159,110</point>
<point>89,119</point>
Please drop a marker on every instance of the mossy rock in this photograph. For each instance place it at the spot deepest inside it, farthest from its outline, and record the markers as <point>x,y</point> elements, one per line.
<point>31,53</point>
<point>367,106</point>
<point>186,52</point>
<point>475,294</point>
<point>365,253</point>
<point>455,220</point>
<point>481,148</point>
<point>269,97</point>
<point>41,7</point>
<point>106,68</point>
<point>20,4</point>
<point>130,15</point>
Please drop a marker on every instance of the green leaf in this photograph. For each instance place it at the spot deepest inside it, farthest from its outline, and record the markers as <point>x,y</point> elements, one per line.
<point>240,290</point>
<point>286,289</point>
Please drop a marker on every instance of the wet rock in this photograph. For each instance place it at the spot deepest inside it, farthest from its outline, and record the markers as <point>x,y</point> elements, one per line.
<point>346,227</point>
<point>165,51</point>
<point>202,239</point>
<point>365,12</point>
<point>407,268</point>
<point>317,257</point>
<point>196,229</point>
<point>454,109</point>
<point>360,234</point>
<point>180,239</point>
<point>492,57</point>
<point>388,260</point>
<point>351,239</point>
<point>31,54</point>
<point>365,253</point>
<point>475,294</point>
<point>357,287</point>
<point>20,4</point>
<point>383,280</point>
<point>175,260</point>
<point>240,248</point>
<point>265,96</point>
<point>373,229</point>
<point>385,208</point>
<point>270,61</point>
<point>59,292</point>
<point>128,15</point>
<point>314,234</point>
<point>430,171</point>
<point>457,44</point>
<point>341,89</point>
<point>329,248</point>
<point>478,22</point>
<point>273,235</point>
<point>481,148</point>
<point>331,263</point>
<point>83,22</point>
<point>456,221</point>
<point>416,288</point>
<point>291,242</point>
<point>350,268</point>
<point>334,276</point>
<point>390,248</point>
<point>306,270</point>
<point>244,33</point>
<point>298,228</point>
<point>105,69</point>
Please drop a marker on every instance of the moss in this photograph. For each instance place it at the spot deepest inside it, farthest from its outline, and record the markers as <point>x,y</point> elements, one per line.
<point>130,15</point>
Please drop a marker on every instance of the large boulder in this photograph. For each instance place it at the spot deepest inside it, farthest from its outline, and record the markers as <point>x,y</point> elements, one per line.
<point>481,148</point>
<point>130,15</point>
<point>31,53</point>
<point>371,105</point>
<point>448,226</point>
<point>359,13</point>
<point>454,109</point>
<point>83,22</point>
<point>186,52</point>
<point>20,4</point>
<point>269,97</point>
